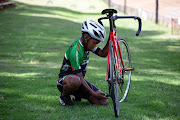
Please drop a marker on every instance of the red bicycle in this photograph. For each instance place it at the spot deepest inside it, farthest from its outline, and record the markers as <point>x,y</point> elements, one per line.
<point>119,66</point>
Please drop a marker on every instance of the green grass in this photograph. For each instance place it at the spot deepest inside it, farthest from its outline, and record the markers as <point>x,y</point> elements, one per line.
<point>33,40</point>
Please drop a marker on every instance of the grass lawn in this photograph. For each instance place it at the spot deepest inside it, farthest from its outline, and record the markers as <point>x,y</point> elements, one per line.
<point>33,39</point>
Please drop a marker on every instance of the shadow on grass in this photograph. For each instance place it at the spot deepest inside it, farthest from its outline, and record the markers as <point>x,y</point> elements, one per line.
<point>31,10</point>
<point>153,100</point>
<point>156,54</point>
<point>38,95</point>
<point>48,9</point>
<point>32,49</point>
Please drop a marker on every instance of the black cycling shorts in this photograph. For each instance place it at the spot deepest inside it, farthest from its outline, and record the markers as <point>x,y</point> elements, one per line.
<point>80,93</point>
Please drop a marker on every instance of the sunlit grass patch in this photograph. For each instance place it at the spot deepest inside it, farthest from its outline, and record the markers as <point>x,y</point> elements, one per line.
<point>34,36</point>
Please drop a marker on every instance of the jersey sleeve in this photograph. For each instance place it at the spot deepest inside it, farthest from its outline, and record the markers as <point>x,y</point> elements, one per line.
<point>74,61</point>
<point>96,50</point>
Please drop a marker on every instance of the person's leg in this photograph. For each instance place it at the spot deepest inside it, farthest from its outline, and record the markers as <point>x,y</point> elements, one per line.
<point>71,83</point>
<point>84,94</point>
<point>67,86</point>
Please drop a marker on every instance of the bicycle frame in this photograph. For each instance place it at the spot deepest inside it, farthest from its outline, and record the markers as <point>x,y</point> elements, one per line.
<point>113,37</point>
<point>115,72</point>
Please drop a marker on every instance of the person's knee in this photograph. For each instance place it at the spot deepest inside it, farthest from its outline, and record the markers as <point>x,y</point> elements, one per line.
<point>72,82</point>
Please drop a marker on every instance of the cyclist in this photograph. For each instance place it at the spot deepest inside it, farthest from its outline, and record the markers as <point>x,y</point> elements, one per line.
<point>71,77</point>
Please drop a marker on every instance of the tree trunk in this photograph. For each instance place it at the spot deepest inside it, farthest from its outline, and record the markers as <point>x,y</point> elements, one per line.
<point>157,5</point>
<point>124,6</point>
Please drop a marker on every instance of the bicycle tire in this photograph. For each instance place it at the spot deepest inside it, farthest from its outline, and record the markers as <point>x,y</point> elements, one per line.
<point>126,75</point>
<point>113,83</point>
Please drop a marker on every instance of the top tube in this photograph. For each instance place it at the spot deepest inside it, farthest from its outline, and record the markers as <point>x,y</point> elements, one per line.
<point>110,12</point>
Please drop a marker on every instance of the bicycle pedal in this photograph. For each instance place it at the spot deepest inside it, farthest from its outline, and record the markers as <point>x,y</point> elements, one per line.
<point>128,69</point>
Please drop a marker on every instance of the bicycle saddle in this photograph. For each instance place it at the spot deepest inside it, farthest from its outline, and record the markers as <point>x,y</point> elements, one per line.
<point>110,11</point>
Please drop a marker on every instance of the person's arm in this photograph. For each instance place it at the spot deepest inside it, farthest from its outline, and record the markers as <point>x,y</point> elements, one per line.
<point>102,52</point>
<point>98,95</point>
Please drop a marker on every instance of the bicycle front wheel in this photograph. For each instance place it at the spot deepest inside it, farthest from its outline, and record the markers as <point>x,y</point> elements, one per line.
<point>125,64</point>
<point>114,87</point>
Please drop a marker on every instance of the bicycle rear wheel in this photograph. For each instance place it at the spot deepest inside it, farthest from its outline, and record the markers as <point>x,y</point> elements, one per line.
<point>114,87</point>
<point>126,74</point>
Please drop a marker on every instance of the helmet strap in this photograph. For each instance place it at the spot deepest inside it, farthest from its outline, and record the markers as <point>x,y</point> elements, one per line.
<point>85,43</point>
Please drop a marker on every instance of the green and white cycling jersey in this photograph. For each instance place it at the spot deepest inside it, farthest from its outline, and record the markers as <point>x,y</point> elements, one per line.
<point>75,60</point>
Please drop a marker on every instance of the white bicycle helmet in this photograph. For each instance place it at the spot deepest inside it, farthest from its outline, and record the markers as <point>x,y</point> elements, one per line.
<point>94,29</point>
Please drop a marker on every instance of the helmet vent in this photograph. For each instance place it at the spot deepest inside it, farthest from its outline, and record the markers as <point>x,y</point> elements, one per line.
<point>96,34</point>
<point>86,24</point>
<point>93,25</point>
<point>99,27</point>
<point>82,26</point>
<point>101,34</point>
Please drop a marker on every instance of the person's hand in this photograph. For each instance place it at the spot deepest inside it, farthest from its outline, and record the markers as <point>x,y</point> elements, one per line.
<point>99,95</point>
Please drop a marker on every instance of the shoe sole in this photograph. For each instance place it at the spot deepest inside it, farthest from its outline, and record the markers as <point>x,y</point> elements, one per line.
<point>61,101</point>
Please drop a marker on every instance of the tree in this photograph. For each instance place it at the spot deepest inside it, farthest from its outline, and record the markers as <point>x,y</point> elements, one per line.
<point>124,6</point>
<point>157,5</point>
